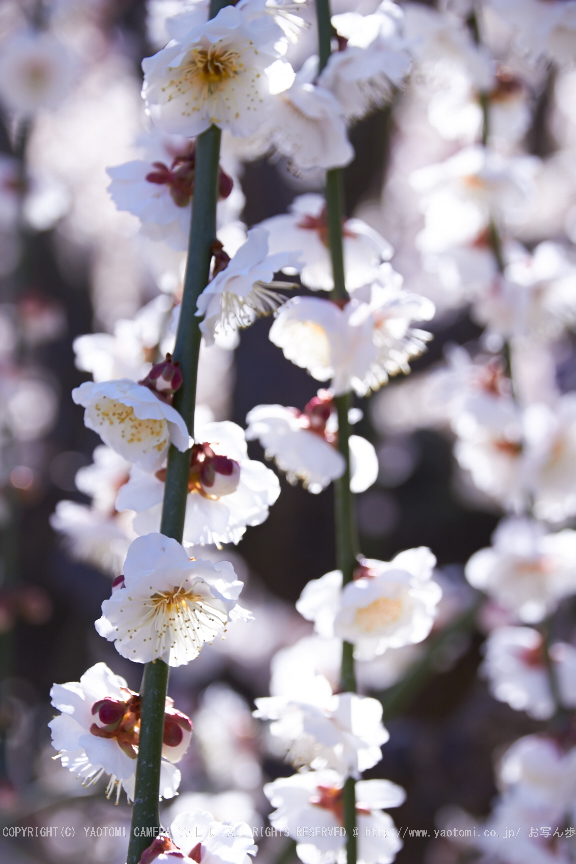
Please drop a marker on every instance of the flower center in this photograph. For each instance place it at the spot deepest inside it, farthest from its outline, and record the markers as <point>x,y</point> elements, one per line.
<point>133,429</point>
<point>211,67</point>
<point>311,339</point>
<point>119,720</point>
<point>329,798</point>
<point>173,603</point>
<point>316,415</point>
<point>320,225</point>
<point>37,75</point>
<point>380,613</point>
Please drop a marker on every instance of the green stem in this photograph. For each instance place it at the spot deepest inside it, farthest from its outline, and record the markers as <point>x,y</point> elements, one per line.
<point>561,718</point>
<point>187,350</point>
<point>346,535</point>
<point>349,801</point>
<point>334,215</point>
<point>324,23</point>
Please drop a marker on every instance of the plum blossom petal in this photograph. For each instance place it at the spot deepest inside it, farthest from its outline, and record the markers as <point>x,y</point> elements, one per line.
<point>132,420</point>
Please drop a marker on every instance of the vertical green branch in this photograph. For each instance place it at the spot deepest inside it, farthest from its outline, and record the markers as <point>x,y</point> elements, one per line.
<point>346,536</point>
<point>145,814</point>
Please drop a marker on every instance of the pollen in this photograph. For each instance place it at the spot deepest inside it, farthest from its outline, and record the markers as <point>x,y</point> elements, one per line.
<point>132,429</point>
<point>380,613</point>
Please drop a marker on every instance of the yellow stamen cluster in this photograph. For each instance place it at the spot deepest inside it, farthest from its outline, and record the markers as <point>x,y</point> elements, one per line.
<point>380,613</point>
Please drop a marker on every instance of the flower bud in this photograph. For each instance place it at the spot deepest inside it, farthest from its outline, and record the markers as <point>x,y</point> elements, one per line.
<point>164,378</point>
<point>219,476</point>
<point>225,184</point>
<point>196,853</point>
<point>161,845</point>
<point>177,734</point>
<point>118,583</point>
<point>318,411</point>
<point>110,713</point>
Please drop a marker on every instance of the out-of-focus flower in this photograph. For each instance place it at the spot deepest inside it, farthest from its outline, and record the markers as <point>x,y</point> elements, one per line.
<point>98,732</point>
<point>212,74</point>
<point>461,195</point>
<point>132,420</point>
<point>319,655</point>
<point>303,444</point>
<point>226,490</point>
<point>227,736</point>
<point>315,801</point>
<point>306,124</point>
<point>128,352</point>
<point>242,292</point>
<point>359,345</point>
<point>98,538</point>
<point>537,777</point>
<point>387,605</point>
<point>97,534</point>
<point>321,730</point>
<point>373,62</point>
<point>535,300</point>
<point>169,605</point>
<point>528,569</point>
<point>305,231</point>
<point>541,27</point>
<point>515,666</point>
<point>550,433</point>
<point>36,72</point>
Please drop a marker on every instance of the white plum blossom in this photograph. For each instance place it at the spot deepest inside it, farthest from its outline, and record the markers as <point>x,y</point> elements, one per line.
<point>226,490</point>
<point>542,27</point>
<point>211,841</point>
<point>535,300</point>
<point>316,654</point>
<point>97,732</point>
<point>130,349</point>
<point>550,433</point>
<point>304,444</point>
<point>515,666</point>
<point>284,12</point>
<point>373,62</point>
<point>314,800</point>
<point>537,776</point>
<point>528,570</point>
<point>306,124</point>
<point>197,838</point>
<point>97,534</point>
<point>132,420</point>
<point>95,537</point>
<point>387,604</point>
<point>242,292</point>
<point>36,72</point>
<point>212,74</point>
<point>159,187</point>
<point>322,730</point>
<point>360,345</point>
<point>168,605</point>
<point>461,195</point>
<point>490,442</point>
<point>305,231</point>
